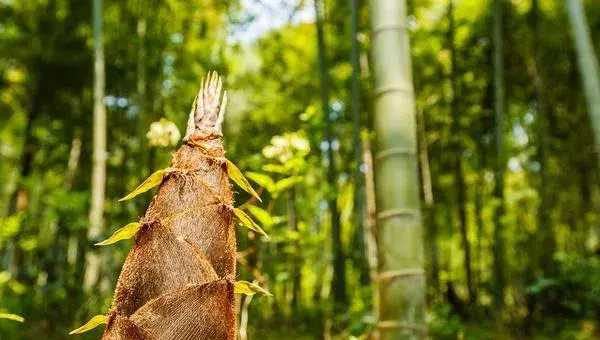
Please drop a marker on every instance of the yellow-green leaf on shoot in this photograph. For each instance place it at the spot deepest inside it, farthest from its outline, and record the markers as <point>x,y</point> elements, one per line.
<point>93,323</point>
<point>150,182</point>
<point>13,317</point>
<point>236,175</point>
<point>248,288</point>
<point>124,233</point>
<point>248,222</point>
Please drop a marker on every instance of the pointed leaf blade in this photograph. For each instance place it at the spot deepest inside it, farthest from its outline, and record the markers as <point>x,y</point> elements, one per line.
<point>13,317</point>
<point>93,323</point>
<point>124,233</point>
<point>150,182</point>
<point>248,222</point>
<point>236,175</point>
<point>248,288</point>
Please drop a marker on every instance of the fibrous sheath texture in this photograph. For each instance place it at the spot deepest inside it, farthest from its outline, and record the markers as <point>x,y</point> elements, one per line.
<point>177,281</point>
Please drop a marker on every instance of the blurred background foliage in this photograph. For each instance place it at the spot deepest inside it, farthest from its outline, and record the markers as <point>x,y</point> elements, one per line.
<point>157,51</point>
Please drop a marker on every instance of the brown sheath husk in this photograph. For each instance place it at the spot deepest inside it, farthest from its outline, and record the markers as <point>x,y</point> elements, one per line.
<point>176,282</point>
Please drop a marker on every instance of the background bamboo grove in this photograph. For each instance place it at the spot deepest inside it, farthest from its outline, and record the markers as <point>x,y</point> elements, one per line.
<point>427,168</point>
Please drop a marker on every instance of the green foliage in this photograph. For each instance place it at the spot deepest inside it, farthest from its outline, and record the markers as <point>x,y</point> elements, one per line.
<point>263,180</point>
<point>445,324</point>
<point>9,226</point>
<point>540,286</point>
<point>264,217</point>
<point>574,292</point>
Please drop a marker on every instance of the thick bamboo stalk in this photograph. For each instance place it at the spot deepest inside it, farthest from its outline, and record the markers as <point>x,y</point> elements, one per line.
<point>401,276</point>
<point>588,64</point>
<point>96,217</point>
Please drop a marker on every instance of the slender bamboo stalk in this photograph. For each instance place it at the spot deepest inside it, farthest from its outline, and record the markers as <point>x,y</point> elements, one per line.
<point>370,223</point>
<point>588,63</point>
<point>458,165</point>
<point>145,158</point>
<point>424,160</point>
<point>358,176</point>
<point>354,57</point>
<point>296,265</point>
<point>338,284</point>
<point>96,217</point>
<point>498,247</point>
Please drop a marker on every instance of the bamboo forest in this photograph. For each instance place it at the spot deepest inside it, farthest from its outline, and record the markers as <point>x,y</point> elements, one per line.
<point>299,169</point>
